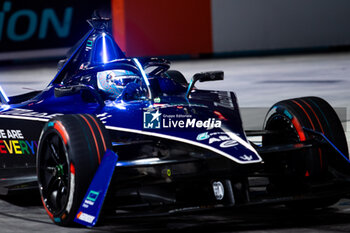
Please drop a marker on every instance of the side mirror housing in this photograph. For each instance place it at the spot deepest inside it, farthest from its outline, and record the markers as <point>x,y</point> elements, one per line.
<point>209,76</point>
<point>86,92</point>
<point>204,77</point>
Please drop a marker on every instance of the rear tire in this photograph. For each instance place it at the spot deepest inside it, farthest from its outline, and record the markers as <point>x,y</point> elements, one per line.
<point>69,152</point>
<point>298,169</point>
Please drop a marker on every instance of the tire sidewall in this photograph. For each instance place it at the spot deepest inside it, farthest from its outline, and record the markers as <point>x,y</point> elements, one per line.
<point>61,217</point>
<point>80,152</point>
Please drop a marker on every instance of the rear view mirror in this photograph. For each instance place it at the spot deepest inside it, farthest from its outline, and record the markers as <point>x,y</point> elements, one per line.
<point>204,77</point>
<point>209,76</point>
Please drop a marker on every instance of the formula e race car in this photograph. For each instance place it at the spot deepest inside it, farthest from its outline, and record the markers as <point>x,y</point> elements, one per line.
<point>130,136</point>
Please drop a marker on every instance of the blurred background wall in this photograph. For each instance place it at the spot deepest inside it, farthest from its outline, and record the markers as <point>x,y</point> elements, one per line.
<point>243,25</point>
<point>38,28</point>
<point>41,28</point>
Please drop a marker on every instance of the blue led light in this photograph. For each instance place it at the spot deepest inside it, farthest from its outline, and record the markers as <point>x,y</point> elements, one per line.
<point>104,48</point>
<point>4,95</point>
<point>138,64</point>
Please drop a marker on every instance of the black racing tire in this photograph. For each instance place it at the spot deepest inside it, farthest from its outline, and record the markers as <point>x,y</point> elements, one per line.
<point>177,76</point>
<point>69,152</point>
<point>297,169</point>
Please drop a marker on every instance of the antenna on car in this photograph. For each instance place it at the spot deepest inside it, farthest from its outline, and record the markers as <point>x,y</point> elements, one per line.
<point>99,22</point>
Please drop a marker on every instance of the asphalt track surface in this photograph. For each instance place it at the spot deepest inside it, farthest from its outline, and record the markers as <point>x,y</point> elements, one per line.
<point>258,82</point>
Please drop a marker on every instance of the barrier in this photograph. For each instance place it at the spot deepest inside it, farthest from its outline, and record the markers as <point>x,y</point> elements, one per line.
<point>194,27</point>
<point>158,27</point>
<point>42,28</point>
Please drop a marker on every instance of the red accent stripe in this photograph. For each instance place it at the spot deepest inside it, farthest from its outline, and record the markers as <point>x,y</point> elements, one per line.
<point>219,114</point>
<point>72,169</point>
<point>318,120</point>
<point>59,127</point>
<point>313,127</point>
<point>102,138</point>
<point>47,211</point>
<point>307,174</point>
<point>78,215</point>
<point>299,129</point>
<point>93,135</point>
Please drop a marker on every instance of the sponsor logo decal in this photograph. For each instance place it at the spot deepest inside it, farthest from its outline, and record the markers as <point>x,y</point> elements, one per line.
<point>246,157</point>
<point>90,199</point>
<point>12,142</point>
<point>156,120</point>
<point>152,120</point>
<point>85,217</point>
<point>220,138</point>
<point>202,136</point>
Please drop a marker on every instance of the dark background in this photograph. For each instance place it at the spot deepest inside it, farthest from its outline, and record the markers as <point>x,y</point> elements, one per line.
<point>82,10</point>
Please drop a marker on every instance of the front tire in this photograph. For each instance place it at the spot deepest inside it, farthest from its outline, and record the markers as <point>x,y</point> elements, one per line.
<point>69,152</point>
<point>298,169</point>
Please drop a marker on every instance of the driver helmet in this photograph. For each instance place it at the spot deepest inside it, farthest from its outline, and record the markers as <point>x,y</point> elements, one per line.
<point>113,82</point>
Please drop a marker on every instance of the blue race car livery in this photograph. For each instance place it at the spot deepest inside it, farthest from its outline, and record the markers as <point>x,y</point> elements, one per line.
<point>132,136</point>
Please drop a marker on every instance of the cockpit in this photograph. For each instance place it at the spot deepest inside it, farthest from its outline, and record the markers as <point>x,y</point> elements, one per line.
<point>99,65</point>
<point>121,84</point>
<point>113,82</point>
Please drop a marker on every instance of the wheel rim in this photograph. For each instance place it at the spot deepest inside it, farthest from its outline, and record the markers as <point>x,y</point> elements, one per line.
<point>290,165</point>
<point>286,130</point>
<point>53,175</point>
